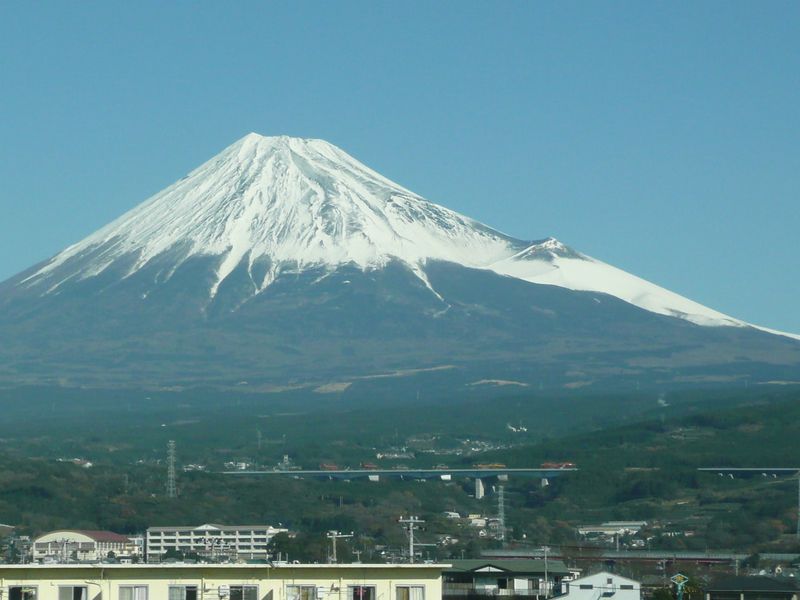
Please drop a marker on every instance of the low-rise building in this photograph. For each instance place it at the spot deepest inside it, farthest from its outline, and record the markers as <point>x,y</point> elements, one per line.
<point>753,588</point>
<point>612,528</point>
<point>600,586</point>
<point>82,545</point>
<point>216,542</point>
<point>522,577</point>
<point>221,582</point>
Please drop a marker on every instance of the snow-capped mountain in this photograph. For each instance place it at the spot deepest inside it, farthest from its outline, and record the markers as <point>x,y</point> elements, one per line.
<point>281,203</point>
<point>282,257</point>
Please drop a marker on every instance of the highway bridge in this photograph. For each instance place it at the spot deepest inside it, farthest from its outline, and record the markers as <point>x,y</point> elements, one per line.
<point>478,474</point>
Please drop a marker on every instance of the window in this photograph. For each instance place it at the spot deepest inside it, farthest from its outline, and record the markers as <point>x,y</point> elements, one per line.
<point>72,592</point>
<point>410,592</point>
<point>18,592</point>
<point>586,586</point>
<point>244,592</point>
<point>625,586</point>
<point>361,592</point>
<point>301,592</point>
<point>183,592</point>
<point>132,592</point>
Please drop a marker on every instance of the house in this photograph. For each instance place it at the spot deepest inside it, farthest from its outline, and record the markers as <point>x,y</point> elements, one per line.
<point>753,588</point>
<point>221,582</point>
<point>522,577</point>
<point>602,585</point>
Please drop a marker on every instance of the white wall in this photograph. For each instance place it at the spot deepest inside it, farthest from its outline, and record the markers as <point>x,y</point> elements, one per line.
<point>603,586</point>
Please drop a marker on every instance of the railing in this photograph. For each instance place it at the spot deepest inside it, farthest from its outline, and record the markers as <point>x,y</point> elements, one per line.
<point>472,592</point>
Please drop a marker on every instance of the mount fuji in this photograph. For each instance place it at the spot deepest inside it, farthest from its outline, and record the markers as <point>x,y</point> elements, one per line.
<point>286,262</point>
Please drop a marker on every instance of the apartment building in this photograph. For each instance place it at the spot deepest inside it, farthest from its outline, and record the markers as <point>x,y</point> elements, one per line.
<point>221,582</point>
<point>218,542</point>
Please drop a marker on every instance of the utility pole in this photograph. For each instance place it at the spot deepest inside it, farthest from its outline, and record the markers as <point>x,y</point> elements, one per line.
<point>501,513</point>
<point>172,490</point>
<point>797,534</point>
<point>410,524</point>
<point>333,536</point>
<point>546,577</point>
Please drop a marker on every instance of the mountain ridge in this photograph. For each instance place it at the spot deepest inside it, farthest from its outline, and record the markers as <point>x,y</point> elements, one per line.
<point>284,203</point>
<point>285,262</point>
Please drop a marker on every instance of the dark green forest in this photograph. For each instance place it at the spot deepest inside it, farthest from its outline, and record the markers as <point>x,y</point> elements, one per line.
<point>641,466</point>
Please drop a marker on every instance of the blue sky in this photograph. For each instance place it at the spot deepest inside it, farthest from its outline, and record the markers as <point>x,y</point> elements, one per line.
<point>662,137</point>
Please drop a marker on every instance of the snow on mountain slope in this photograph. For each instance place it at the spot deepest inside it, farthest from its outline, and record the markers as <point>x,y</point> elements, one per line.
<point>296,201</point>
<point>299,203</point>
<point>581,272</point>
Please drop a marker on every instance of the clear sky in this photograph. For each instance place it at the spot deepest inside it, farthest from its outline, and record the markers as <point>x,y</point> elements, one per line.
<point>662,137</point>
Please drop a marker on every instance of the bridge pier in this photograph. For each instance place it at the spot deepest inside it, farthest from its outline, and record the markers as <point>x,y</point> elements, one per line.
<point>479,490</point>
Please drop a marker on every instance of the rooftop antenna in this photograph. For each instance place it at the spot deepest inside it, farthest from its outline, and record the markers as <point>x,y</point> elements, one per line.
<point>172,490</point>
<point>410,524</point>
<point>333,536</point>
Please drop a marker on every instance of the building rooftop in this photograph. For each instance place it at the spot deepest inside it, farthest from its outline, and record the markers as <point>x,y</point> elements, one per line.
<point>521,565</point>
<point>96,534</point>
<point>210,526</point>
<point>755,583</point>
<point>187,566</point>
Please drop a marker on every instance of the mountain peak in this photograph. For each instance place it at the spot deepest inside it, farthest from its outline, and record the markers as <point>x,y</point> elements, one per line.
<point>291,202</point>
<point>279,141</point>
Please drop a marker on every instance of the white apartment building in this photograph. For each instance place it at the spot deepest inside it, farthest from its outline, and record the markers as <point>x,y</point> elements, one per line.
<point>232,542</point>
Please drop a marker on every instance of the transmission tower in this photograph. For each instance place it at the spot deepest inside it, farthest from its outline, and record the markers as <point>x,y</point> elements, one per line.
<point>172,490</point>
<point>501,513</point>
